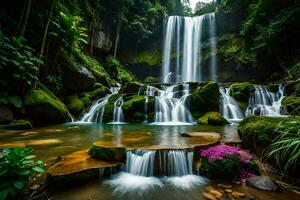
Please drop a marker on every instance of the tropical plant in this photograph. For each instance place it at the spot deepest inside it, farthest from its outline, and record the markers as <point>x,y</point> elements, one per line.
<point>17,167</point>
<point>224,161</point>
<point>285,150</point>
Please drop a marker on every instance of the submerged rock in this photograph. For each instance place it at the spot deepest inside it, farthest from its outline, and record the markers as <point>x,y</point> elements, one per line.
<point>204,99</point>
<point>76,167</point>
<point>18,125</point>
<point>6,114</point>
<point>45,108</point>
<point>262,182</point>
<point>108,153</point>
<point>212,118</point>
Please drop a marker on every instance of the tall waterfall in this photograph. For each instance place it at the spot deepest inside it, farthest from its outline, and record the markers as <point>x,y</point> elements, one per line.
<point>95,113</point>
<point>184,37</point>
<point>265,103</point>
<point>170,108</point>
<point>229,107</point>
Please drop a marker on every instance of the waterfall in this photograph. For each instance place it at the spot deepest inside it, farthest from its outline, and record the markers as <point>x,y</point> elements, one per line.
<point>265,103</point>
<point>140,162</point>
<point>229,107</point>
<point>170,108</point>
<point>118,111</point>
<point>96,111</point>
<point>184,37</point>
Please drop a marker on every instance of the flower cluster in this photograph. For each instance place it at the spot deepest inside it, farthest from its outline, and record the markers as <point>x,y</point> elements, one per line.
<point>219,152</point>
<point>227,161</point>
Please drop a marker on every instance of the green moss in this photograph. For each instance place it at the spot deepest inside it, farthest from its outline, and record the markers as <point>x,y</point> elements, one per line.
<point>257,132</point>
<point>18,125</point>
<point>241,91</point>
<point>204,99</point>
<point>97,93</point>
<point>150,80</point>
<point>45,107</point>
<point>292,104</point>
<point>212,118</point>
<point>75,105</point>
<point>150,57</point>
<point>272,87</point>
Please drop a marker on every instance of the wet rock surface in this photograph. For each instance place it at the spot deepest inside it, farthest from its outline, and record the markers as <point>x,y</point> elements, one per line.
<point>263,183</point>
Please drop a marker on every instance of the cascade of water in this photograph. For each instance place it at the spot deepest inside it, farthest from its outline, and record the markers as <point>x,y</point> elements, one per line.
<point>170,108</point>
<point>96,111</point>
<point>265,103</point>
<point>140,162</point>
<point>146,109</point>
<point>118,111</point>
<point>184,35</point>
<point>229,107</point>
<point>176,162</point>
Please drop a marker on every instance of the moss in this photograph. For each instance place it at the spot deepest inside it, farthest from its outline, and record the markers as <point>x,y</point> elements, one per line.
<point>18,125</point>
<point>272,87</point>
<point>212,118</point>
<point>109,108</point>
<point>241,91</point>
<point>150,80</point>
<point>132,88</point>
<point>45,108</point>
<point>75,105</point>
<point>150,57</point>
<point>97,93</point>
<point>204,99</point>
<point>292,104</point>
<point>257,132</point>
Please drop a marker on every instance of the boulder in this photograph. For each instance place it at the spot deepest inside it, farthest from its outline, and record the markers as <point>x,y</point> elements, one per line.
<point>204,99</point>
<point>241,91</point>
<point>18,125</point>
<point>77,167</point>
<point>78,79</point>
<point>6,115</point>
<point>262,182</point>
<point>75,105</point>
<point>100,91</point>
<point>132,88</point>
<point>212,118</point>
<point>114,153</point>
<point>134,108</point>
<point>292,104</point>
<point>45,108</point>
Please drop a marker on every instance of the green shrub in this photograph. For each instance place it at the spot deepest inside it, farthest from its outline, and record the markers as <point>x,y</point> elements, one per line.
<point>17,167</point>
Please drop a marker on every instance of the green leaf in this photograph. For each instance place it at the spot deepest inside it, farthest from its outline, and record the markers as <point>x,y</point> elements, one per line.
<point>39,169</point>
<point>19,184</point>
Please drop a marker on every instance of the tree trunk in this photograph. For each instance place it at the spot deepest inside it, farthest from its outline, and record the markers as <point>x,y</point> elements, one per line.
<point>117,36</point>
<point>92,37</point>
<point>24,19</point>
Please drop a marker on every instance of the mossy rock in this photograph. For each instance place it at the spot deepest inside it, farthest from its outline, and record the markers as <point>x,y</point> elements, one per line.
<point>108,153</point>
<point>20,124</point>
<point>100,77</point>
<point>292,104</point>
<point>293,88</point>
<point>272,87</point>
<point>212,118</point>
<point>75,105</point>
<point>77,167</point>
<point>99,92</point>
<point>257,132</point>
<point>204,99</point>
<point>109,108</point>
<point>241,91</point>
<point>134,108</point>
<point>45,108</point>
<point>132,88</point>
<point>150,80</point>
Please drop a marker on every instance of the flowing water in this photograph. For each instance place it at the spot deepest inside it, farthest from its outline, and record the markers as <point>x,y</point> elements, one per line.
<point>184,38</point>
<point>265,103</point>
<point>118,116</point>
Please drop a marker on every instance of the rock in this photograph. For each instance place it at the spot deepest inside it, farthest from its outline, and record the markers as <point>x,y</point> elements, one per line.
<point>212,118</point>
<point>204,99</point>
<point>292,104</point>
<point>18,125</point>
<point>150,80</point>
<point>75,105</point>
<point>209,196</point>
<point>77,167</point>
<point>224,186</point>
<point>45,108</point>
<point>257,132</point>
<point>78,79</point>
<point>109,108</point>
<point>262,182</point>
<point>208,135</point>
<point>6,114</point>
<point>237,194</point>
<point>134,108</point>
<point>292,88</point>
<point>99,92</point>
<point>132,88</point>
<point>102,78</point>
<point>108,153</point>
<point>241,91</point>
